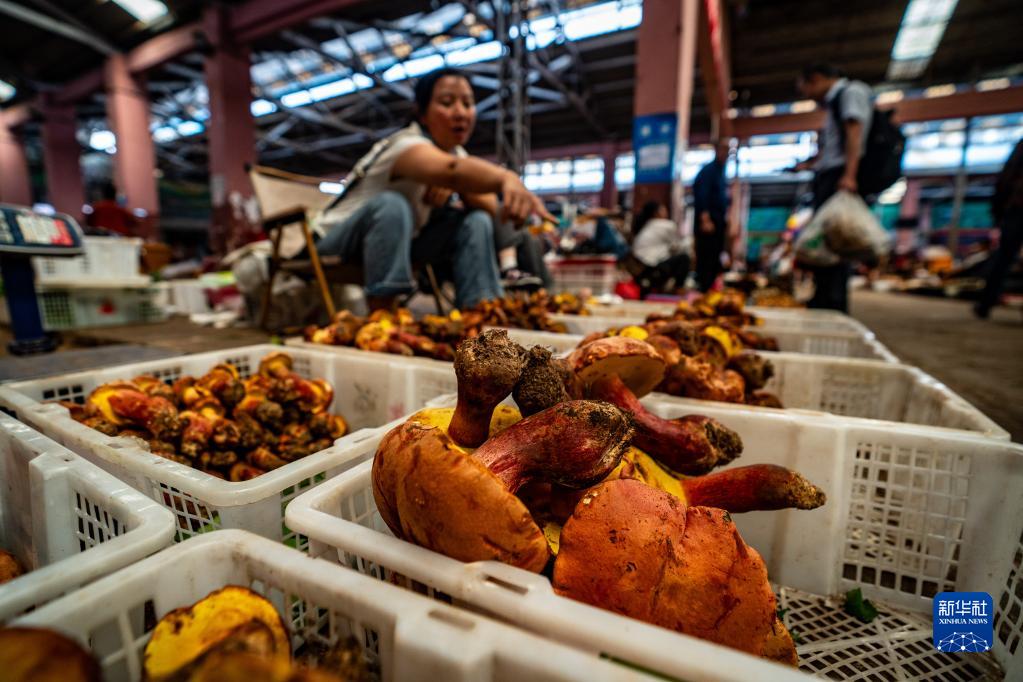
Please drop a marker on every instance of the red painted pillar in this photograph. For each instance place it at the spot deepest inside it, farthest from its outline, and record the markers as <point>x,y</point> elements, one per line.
<point>665,61</point>
<point>61,153</point>
<point>15,186</point>
<point>135,160</point>
<point>231,132</point>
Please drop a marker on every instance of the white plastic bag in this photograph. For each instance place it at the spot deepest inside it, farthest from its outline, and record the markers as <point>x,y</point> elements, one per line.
<point>844,228</point>
<point>811,249</point>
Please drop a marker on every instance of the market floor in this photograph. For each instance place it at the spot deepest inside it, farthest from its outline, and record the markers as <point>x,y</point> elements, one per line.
<point>980,360</point>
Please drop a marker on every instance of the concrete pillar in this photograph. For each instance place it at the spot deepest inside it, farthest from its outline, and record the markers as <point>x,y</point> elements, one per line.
<point>61,154</point>
<point>135,160</point>
<point>665,61</point>
<point>231,132</point>
<point>15,186</point>
<point>609,192</point>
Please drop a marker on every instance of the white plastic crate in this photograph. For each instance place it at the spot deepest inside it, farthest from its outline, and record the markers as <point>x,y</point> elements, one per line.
<point>799,318</point>
<point>78,308</point>
<point>843,386</point>
<point>104,258</point>
<point>404,637</point>
<point>830,343</point>
<point>911,512</point>
<point>793,335</point>
<point>571,274</point>
<point>66,521</point>
<point>368,391</point>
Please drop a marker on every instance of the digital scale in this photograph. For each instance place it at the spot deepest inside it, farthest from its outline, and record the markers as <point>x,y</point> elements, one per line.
<point>25,233</point>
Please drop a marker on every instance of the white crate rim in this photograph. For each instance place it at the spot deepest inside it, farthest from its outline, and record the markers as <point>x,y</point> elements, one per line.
<point>339,589</point>
<point>490,585</point>
<point>150,526</point>
<point>129,452</point>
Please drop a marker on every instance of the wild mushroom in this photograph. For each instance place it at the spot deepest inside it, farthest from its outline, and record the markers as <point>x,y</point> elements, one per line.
<point>635,362</point>
<point>620,370</point>
<point>542,383</point>
<point>487,369</point>
<point>232,615</point>
<point>757,487</point>
<point>643,553</point>
<point>37,655</point>
<point>434,493</point>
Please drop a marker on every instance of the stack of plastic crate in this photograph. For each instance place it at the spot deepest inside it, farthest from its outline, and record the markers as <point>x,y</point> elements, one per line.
<point>100,288</point>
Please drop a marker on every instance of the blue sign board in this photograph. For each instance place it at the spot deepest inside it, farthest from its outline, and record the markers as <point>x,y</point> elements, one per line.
<point>653,141</point>
<point>963,622</point>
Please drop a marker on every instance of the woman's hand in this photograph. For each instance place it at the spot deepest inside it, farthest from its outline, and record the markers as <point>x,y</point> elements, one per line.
<point>518,203</point>
<point>436,196</point>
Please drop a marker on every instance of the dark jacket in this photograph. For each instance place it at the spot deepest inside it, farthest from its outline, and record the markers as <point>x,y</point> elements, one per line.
<point>1009,186</point>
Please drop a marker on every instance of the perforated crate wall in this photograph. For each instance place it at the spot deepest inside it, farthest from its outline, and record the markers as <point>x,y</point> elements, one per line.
<point>126,635</point>
<point>96,524</point>
<point>907,511</point>
<point>1009,605</point>
<point>851,392</point>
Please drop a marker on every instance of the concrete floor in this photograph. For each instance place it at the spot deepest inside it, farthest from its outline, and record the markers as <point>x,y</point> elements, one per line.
<point>981,360</point>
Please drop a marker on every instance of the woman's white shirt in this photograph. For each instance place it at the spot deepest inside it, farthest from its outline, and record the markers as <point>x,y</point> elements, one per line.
<point>659,239</point>
<point>378,179</point>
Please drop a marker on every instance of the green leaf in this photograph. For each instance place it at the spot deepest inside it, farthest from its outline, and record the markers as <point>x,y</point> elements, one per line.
<point>859,608</point>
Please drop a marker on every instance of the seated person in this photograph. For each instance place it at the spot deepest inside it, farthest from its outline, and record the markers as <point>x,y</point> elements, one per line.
<point>658,245</point>
<point>417,196</point>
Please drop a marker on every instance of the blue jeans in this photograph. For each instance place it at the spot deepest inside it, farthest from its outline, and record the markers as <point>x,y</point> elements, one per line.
<point>379,235</point>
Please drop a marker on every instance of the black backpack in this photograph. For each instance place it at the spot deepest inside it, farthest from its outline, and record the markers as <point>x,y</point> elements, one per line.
<point>881,164</point>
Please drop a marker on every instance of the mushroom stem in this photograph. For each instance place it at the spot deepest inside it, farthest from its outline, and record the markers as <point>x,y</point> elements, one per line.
<point>691,445</point>
<point>758,487</point>
<point>574,444</point>
<point>487,368</point>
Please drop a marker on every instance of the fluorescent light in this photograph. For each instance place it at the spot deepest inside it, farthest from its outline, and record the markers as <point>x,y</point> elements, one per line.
<point>262,107</point>
<point>802,106</point>
<point>917,42</point>
<point>940,90</point>
<point>331,187</point>
<point>103,140</point>
<point>7,91</point>
<point>146,11</point>
<point>763,110</point>
<point>922,28</point>
<point>989,84</point>
<point>889,97</point>
<point>165,134</point>
<point>187,128</point>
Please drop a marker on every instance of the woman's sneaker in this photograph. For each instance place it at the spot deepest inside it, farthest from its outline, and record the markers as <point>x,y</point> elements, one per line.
<point>513,278</point>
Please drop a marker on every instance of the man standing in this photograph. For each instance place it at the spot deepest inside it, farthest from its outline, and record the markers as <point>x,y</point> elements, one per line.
<point>1007,209</point>
<point>710,207</point>
<point>839,149</point>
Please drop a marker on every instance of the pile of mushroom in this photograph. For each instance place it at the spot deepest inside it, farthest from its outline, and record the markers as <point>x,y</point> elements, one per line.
<point>705,359</point>
<point>220,423</point>
<point>586,484</point>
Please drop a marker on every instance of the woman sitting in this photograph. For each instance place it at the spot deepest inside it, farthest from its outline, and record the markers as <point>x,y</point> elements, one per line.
<point>660,247</point>
<point>417,196</point>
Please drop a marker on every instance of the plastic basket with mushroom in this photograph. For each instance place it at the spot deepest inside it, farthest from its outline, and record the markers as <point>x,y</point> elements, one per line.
<point>778,318</point>
<point>909,514</point>
<point>851,387</point>
<point>210,483</point>
<point>378,631</point>
<point>793,336</point>
<point>64,522</point>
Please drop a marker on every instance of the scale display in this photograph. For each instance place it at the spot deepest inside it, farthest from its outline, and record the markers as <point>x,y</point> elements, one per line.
<point>24,231</point>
